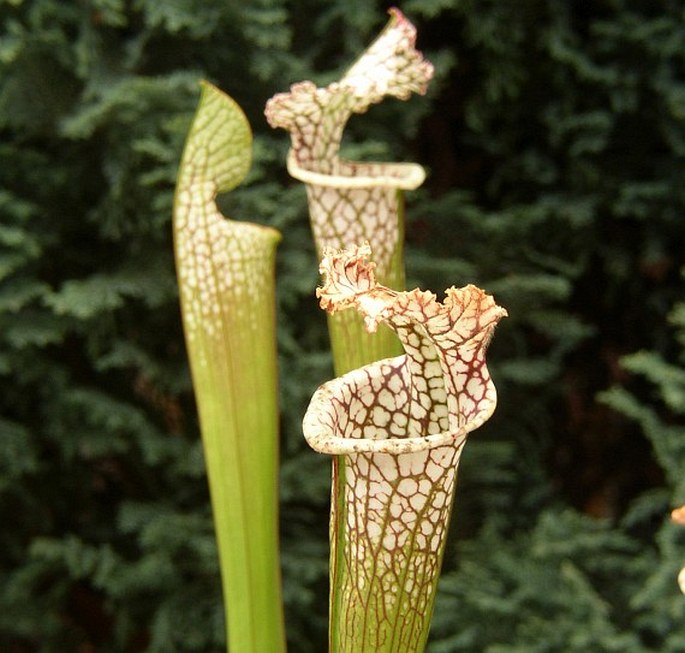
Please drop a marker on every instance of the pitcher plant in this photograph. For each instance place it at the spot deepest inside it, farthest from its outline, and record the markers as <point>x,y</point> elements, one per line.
<point>412,380</point>
<point>353,202</point>
<point>399,425</point>
<point>226,281</point>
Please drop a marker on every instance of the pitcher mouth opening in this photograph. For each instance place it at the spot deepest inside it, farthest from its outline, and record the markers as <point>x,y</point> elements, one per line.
<point>361,174</point>
<point>322,421</point>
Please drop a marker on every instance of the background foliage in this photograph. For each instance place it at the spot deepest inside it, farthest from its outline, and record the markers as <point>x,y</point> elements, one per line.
<point>555,138</point>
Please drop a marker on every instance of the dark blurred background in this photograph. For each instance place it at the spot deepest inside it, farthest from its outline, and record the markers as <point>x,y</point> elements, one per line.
<point>554,139</point>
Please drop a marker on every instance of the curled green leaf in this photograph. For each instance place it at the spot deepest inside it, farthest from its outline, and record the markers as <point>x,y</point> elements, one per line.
<point>355,202</point>
<point>399,425</point>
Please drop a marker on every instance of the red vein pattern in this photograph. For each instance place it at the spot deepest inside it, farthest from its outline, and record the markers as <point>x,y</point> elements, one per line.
<point>400,425</point>
<point>352,202</point>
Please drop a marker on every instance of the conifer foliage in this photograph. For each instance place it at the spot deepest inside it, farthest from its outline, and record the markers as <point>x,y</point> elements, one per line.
<point>554,135</point>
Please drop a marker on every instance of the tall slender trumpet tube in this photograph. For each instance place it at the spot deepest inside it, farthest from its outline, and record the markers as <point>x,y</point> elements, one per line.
<point>353,202</point>
<point>400,425</point>
<point>226,281</point>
